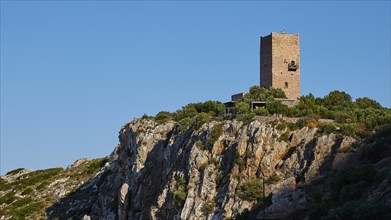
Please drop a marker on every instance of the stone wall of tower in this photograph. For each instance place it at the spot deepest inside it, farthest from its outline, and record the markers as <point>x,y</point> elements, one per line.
<point>266,61</point>
<point>284,48</point>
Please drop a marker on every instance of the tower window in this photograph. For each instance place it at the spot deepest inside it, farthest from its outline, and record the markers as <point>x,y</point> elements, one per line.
<point>292,66</point>
<point>286,85</point>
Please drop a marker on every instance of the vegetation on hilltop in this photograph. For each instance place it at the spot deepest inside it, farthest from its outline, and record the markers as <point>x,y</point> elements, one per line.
<point>352,118</point>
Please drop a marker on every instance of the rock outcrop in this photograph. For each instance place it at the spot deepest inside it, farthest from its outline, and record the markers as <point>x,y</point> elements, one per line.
<point>160,172</point>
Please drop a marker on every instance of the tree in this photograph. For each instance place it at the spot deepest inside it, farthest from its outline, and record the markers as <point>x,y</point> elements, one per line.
<point>337,99</point>
<point>365,102</point>
<point>242,108</point>
<point>162,117</point>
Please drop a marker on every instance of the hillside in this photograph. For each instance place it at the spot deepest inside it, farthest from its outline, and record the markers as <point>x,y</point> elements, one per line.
<point>25,194</point>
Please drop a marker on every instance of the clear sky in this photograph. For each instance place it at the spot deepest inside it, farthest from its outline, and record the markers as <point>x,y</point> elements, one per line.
<point>72,73</point>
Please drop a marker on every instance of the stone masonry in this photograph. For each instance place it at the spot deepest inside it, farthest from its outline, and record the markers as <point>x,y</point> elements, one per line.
<point>280,63</point>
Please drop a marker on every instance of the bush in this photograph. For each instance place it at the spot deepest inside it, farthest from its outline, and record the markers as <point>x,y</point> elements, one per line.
<point>207,208</point>
<point>27,191</point>
<point>184,124</point>
<point>94,166</point>
<point>35,177</point>
<point>239,161</point>
<point>163,117</point>
<point>13,172</point>
<point>337,99</point>
<point>328,128</point>
<point>199,145</point>
<point>272,179</point>
<point>217,131</point>
<point>242,108</point>
<point>276,107</point>
<point>348,129</point>
<point>211,107</point>
<point>247,118</point>
<point>180,193</point>
<point>203,167</point>
<point>188,111</point>
<point>284,137</point>
<point>365,103</point>
<point>261,111</point>
<point>281,126</point>
<point>292,126</point>
<point>7,198</point>
<point>251,190</point>
<point>201,119</point>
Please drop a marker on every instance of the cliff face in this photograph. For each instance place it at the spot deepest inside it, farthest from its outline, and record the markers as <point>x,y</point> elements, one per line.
<point>222,170</point>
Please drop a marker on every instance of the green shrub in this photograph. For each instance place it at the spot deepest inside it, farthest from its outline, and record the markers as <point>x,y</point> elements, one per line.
<point>200,119</point>
<point>22,202</point>
<point>7,198</point>
<point>284,137</point>
<point>147,117</point>
<point>163,117</point>
<point>292,126</point>
<point>281,126</point>
<point>199,145</point>
<point>13,172</point>
<point>207,208</point>
<point>35,177</point>
<point>203,167</point>
<point>337,99</point>
<point>242,108</point>
<point>188,111</point>
<point>184,124</point>
<point>247,118</point>
<point>251,190</point>
<point>328,128</point>
<point>180,193</point>
<point>217,131</point>
<point>261,111</point>
<point>213,108</point>
<point>42,185</point>
<point>4,184</point>
<point>365,103</point>
<point>276,107</point>
<point>239,161</point>
<point>27,191</point>
<point>272,179</point>
<point>94,166</point>
<point>348,129</point>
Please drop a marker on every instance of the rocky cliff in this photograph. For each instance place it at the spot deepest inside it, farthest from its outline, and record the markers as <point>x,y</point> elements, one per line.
<point>230,170</point>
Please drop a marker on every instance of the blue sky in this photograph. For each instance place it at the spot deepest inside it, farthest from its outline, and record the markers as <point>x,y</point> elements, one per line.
<point>72,73</point>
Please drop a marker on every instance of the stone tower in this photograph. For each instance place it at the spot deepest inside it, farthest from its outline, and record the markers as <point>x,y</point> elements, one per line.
<point>280,63</point>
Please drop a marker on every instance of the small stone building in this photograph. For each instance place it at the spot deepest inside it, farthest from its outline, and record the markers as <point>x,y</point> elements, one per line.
<point>280,63</point>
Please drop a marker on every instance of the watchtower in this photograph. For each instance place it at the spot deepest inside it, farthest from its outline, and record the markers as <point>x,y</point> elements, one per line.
<point>280,63</point>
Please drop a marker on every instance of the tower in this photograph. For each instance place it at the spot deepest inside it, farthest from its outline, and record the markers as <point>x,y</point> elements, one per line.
<point>280,63</point>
